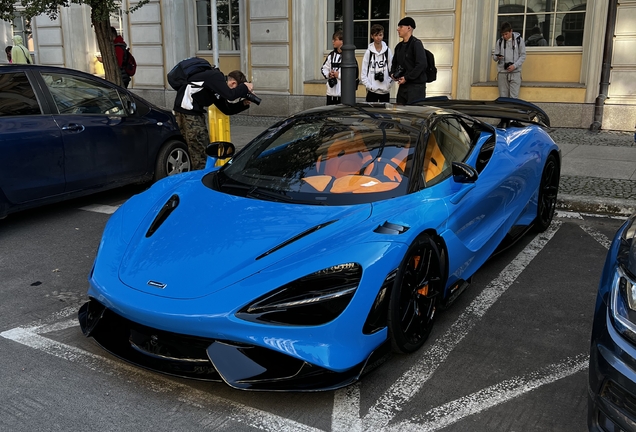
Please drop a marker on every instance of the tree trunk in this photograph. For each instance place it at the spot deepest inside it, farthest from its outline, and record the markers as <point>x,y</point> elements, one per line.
<point>107,49</point>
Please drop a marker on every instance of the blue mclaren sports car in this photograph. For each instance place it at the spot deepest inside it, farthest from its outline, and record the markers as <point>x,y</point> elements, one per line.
<point>332,239</point>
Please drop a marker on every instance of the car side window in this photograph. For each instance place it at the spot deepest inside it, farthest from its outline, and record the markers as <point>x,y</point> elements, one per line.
<point>454,141</point>
<point>78,95</point>
<point>17,97</point>
<point>447,142</point>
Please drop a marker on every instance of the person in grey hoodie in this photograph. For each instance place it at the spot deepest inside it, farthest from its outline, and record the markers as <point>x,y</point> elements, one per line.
<point>375,67</point>
<point>509,53</point>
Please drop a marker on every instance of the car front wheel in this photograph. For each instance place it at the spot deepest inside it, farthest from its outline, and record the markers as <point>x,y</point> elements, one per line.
<point>173,158</point>
<point>418,288</point>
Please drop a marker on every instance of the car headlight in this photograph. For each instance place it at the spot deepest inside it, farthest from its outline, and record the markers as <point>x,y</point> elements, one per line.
<point>623,300</point>
<point>311,300</point>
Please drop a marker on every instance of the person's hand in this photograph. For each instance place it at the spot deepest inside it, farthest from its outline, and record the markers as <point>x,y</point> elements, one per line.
<point>249,86</point>
<point>511,68</point>
<point>246,102</point>
<point>401,81</point>
<point>336,74</point>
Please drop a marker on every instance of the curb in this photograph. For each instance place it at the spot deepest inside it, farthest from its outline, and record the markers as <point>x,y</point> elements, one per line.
<point>586,204</point>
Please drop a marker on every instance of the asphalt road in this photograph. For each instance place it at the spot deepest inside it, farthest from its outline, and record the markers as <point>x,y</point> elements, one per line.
<point>510,354</point>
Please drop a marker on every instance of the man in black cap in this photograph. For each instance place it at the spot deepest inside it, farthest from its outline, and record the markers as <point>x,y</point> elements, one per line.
<point>408,68</point>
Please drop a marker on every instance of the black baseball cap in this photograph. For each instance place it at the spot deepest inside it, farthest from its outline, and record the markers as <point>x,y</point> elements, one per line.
<point>407,21</point>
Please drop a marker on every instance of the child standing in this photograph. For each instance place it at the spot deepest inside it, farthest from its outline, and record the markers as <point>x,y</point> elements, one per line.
<point>331,70</point>
<point>375,67</point>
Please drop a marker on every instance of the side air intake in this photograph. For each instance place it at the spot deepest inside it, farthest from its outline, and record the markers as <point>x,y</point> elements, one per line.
<point>390,228</point>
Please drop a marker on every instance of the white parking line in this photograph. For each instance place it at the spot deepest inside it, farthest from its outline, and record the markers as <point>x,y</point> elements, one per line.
<point>568,215</point>
<point>100,208</point>
<point>452,412</point>
<point>598,236</point>
<point>31,336</point>
<point>407,386</point>
<point>346,410</point>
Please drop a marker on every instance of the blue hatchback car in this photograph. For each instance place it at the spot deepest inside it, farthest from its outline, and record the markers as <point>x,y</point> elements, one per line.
<point>612,386</point>
<point>65,133</point>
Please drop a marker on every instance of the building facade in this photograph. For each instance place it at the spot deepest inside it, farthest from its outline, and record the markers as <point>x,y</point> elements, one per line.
<point>281,45</point>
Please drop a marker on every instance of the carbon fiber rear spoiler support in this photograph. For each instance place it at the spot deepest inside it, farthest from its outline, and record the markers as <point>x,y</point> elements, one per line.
<point>501,108</point>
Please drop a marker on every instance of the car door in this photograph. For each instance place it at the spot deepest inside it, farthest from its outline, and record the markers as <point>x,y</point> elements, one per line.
<point>477,211</point>
<point>104,144</point>
<point>31,146</point>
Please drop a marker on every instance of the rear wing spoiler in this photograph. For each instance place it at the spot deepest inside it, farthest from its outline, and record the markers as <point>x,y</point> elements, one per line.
<point>505,109</point>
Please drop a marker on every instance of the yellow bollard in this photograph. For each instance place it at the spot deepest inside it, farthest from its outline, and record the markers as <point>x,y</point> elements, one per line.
<point>219,127</point>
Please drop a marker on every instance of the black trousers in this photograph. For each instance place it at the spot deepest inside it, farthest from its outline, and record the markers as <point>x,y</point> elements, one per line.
<point>409,93</point>
<point>333,100</point>
<point>378,97</point>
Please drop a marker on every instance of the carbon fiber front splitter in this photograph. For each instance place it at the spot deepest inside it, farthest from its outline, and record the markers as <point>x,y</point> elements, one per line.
<point>241,366</point>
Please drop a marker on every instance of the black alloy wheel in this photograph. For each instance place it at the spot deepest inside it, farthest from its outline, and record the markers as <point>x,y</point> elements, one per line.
<point>417,290</point>
<point>548,190</point>
<point>173,158</point>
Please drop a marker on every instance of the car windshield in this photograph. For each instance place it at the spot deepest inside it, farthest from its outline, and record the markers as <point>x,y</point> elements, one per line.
<point>326,161</point>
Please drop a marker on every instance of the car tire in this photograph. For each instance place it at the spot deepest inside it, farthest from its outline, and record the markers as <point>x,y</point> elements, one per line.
<point>417,289</point>
<point>548,190</point>
<point>173,158</point>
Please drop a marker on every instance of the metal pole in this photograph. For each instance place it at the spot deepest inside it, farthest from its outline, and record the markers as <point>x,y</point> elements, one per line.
<point>606,69</point>
<point>348,66</point>
<point>215,33</point>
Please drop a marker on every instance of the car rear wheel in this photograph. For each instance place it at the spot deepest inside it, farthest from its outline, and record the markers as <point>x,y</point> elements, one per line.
<point>173,158</point>
<point>548,190</point>
<point>418,288</point>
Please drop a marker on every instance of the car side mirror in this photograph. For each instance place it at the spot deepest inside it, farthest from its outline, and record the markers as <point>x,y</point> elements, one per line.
<point>220,150</point>
<point>464,173</point>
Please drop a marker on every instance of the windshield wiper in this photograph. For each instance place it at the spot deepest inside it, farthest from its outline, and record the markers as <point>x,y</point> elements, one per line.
<point>255,192</point>
<point>270,195</point>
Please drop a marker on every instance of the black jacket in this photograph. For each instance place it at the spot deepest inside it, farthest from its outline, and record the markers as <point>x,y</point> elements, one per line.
<point>412,57</point>
<point>215,91</point>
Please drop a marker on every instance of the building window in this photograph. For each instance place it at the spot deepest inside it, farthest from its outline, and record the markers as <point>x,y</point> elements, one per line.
<point>227,16</point>
<point>365,14</point>
<point>545,22</point>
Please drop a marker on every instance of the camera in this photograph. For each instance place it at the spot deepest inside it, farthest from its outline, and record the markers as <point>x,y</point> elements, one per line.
<point>399,72</point>
<point>379,76</point>
<point>507,65</point>
<point>253,98</point>
<point>332,82</point>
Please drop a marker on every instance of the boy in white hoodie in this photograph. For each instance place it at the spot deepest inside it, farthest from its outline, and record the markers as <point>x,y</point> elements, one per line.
<point>375,67</point>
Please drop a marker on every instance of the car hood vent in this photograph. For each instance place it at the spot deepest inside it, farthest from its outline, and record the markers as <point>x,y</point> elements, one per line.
<point>163,214</point>
<point>295,238</point>
<point>391,228</point>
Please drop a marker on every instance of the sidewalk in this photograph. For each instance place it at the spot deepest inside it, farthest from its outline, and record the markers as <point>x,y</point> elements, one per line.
<point>598,174</point>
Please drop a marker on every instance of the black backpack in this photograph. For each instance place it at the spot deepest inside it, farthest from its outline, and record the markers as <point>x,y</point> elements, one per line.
<point>128,63</point>
<point>181,73</point>
<point>431,70</point>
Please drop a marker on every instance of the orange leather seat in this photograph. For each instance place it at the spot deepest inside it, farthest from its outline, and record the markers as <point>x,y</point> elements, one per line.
<point>434,160</point>
<point>344,156</point>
